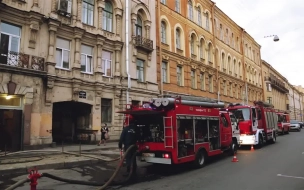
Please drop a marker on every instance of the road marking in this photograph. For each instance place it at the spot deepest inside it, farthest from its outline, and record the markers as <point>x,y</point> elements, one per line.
<point>280,175</point>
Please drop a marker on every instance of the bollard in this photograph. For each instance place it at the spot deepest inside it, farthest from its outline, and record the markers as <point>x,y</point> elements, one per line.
<point>34,176</point>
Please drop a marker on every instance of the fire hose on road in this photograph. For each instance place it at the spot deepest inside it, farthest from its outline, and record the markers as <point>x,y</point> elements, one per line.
<point>34,176</point>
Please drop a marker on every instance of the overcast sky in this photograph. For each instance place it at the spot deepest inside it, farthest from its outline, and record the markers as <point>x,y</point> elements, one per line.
<point>273,17</point>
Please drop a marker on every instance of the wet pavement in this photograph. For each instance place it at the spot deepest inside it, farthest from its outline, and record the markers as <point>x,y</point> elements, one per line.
<point>274,167</point>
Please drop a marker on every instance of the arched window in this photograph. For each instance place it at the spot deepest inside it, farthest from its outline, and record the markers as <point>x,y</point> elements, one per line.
<point>207,21</point>
<point>163,32</point>
<point>229,65</point>
<point>234,67</point>
<point>221,32</point>
<point>192,45</point>
<point>209,53</point>
<point>178,39</point>
<point>223,62</point>
<point>199,16</point>
<point>202,46</point>
<point>190,9</point>
<point>138,26</point>
<point>107,17</point>
<point>240,69</point>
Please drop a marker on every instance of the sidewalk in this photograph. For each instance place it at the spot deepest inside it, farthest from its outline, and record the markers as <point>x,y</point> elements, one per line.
<point>53,158</point>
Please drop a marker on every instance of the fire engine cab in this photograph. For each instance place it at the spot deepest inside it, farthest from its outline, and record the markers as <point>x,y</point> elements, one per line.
<point>175,130</point>
<point>283,122</point>
<point>258,123</point>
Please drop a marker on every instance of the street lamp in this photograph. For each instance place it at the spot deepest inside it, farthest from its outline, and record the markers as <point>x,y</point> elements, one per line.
<point>275,37</point>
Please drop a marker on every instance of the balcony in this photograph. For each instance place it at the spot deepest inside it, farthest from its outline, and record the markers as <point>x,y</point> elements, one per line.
<point>21,60</point>
<point>276,83</point>
<point>146,44</point>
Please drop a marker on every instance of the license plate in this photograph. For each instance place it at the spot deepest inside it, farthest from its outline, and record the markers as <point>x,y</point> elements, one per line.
<point>148,155</point>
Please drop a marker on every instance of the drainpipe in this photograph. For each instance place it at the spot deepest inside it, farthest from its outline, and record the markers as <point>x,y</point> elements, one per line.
<point>294,105</point>
<point>244,69</point>
<point>160,51</point>
<point>127,50</point>
<point>215,58</point>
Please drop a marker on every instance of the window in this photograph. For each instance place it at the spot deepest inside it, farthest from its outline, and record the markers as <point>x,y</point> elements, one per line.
<point>86,58</point>
<point>138,26</point>
<point>163,32</point>
<point>224,120</point>
<point>268,87</point>
<point>106,110</point>
<point>88,11</point>
<point>231,92</point>
<point>192,78</point>
<point>269,99</point>
<point>210,83</point>
<point>207,21</point>
<point>107,17</point>
<point>192,45</point>
<point>199,16</point>
<point>225,88</point>
<point>221,32</point>
<point>178,39</point>
<point>63,53</point>
<point>202,49</point>
<point>164,71</point>
<point>9,41</point>
<point>140,70</point>
<point>107,63</point>
<point>163,1</point>
<point>202,81</point>
<point>177,6</point>
<point>209,53</point>
<point>179,75</point>
<point>190,10</point>
<point>135,103</point>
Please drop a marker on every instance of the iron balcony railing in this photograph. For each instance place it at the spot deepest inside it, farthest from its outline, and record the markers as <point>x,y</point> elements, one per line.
<point>143,43</point>
<point>22,60</point>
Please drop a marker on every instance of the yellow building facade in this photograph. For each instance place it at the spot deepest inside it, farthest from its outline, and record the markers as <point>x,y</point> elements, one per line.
<point>202,52</point>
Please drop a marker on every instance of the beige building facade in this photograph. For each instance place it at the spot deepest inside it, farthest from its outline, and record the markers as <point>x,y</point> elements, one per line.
<point>63,66</point>
<point>298,95</point>
<point>276,87</point>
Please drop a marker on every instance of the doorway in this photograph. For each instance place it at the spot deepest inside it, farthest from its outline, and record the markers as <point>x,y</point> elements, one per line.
<point>10,130</point>
<point>69,118</point>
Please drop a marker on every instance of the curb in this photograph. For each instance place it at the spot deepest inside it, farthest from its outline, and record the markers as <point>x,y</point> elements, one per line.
<point>61,165</point>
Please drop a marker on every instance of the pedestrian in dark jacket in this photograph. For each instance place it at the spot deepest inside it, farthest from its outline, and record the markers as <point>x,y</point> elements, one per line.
<point>128,138</point>
<point>104,131</point>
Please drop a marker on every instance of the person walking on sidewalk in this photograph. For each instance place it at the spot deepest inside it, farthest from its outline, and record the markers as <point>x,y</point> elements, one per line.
<point>104,135</point>
<point>128,138</point>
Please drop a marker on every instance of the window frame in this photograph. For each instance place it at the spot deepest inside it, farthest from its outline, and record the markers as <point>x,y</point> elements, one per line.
<point>190,9</point>
<point>199,16</point>
<point>163,32</point>
<point>210,83</point>
<point>165,72</point>
<point>106,18</point>
<point>179,75</point>
<point>139,25</point>
<point>139,71</point>
<point>177,6</point>
<point>178,38</point>
<point>192,74</point>
<point>62,51</point>
<point>10,36</point>
<point>86,60</point>
<point>202,80</point>
<point>86,11</point>
<point>107,62</point>
<point>110,111</point>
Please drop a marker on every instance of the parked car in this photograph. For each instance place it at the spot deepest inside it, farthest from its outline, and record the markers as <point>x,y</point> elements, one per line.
<point>295,125</point>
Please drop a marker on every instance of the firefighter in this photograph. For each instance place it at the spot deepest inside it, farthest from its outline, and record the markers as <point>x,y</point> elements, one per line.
<point>128,138</point>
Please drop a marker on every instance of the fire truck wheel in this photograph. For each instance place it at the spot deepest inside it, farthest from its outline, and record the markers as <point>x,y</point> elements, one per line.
<point>200,158</point>
<point>233,147</point>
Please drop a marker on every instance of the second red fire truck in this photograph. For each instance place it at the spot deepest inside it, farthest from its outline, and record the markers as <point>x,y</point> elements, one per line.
<point>258,123</point>
<point>283,122</point>
<point>175,130</point>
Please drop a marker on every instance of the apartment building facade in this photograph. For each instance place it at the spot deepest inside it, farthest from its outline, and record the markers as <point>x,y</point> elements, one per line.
<point>276,87</point>
<point>296,96</point>
<point>64,67</point>
<point>202,52</point>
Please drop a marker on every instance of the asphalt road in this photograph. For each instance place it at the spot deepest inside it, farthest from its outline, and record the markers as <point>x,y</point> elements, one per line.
<point>276,166</point>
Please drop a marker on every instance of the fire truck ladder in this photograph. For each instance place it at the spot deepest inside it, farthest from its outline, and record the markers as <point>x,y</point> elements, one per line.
<point>168,130</point>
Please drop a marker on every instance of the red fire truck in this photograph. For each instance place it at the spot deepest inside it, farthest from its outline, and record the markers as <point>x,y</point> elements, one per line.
<point>175,130</point>
<point>283,122</point>
<point>258,123</point>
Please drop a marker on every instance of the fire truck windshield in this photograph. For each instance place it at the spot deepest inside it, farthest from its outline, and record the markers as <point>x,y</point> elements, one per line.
<point>242,114</point>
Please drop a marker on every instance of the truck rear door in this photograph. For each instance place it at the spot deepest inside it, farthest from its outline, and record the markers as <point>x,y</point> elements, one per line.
<point>226,131</point>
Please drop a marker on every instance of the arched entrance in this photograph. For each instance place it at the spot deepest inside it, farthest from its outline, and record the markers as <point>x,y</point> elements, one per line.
<point>69,119</point>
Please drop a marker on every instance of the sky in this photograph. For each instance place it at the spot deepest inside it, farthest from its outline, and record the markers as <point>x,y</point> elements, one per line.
<point>262,18</point>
